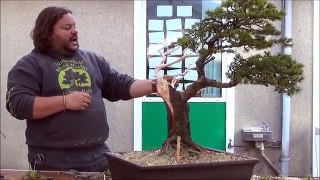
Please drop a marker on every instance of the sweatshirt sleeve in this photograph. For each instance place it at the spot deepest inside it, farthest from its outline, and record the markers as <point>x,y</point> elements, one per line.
<point>116,86</point>
<point>22,87</point>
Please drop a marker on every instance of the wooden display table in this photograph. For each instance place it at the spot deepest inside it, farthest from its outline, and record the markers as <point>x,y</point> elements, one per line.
<point>51,175</point>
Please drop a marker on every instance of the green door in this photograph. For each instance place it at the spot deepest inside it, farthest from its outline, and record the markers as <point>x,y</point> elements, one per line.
<point>207,124</point>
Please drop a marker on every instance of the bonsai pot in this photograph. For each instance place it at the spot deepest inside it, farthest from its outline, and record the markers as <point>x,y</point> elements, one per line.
<point>238,169</point>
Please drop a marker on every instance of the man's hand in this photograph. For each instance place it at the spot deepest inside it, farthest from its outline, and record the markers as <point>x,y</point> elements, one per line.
<point>174,82</point>
<point>78,101</point>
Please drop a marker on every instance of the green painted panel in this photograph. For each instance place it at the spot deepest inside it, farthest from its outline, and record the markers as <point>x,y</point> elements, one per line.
<point>207,121</point>
<point>208,124</point>
<point>154,125</point>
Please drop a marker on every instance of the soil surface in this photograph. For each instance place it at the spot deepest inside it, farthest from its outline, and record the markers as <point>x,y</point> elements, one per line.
<point>157,158</point>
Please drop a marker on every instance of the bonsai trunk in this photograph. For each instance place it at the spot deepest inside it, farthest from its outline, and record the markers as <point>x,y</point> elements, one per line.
<point>177,103</point>
<point>177,117</point>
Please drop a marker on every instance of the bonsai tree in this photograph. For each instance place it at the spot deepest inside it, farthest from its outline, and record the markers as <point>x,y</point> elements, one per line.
<point>245,25</point>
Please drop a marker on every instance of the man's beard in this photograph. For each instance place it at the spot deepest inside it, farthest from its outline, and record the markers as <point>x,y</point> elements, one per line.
<point>69,49</point>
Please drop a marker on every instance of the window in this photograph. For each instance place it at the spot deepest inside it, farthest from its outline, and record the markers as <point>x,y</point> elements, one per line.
<point>167,20</point>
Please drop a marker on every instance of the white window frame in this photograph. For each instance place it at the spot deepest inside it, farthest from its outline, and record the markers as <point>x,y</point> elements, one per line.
<point>227,94</point>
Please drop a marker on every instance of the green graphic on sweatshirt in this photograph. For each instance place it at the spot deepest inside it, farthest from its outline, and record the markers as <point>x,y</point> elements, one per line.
<point>73,76</point>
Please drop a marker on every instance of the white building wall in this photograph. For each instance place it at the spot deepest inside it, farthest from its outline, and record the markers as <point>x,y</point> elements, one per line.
<point>257,104</point>
<point>105,27</point>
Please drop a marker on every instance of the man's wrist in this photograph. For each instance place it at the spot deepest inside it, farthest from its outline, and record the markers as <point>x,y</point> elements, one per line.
<point>154,85</point>
<point>64,103</point>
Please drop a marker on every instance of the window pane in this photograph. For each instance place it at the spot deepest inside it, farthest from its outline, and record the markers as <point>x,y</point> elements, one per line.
<point>164,11</point>
<point>184,11</point>
<point>155,25</point>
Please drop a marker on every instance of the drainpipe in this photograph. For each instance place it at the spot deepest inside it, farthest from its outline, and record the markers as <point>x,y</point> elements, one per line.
<point>286,100</point>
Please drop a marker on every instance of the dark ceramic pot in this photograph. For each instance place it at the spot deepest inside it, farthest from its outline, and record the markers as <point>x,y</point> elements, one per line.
<point>122,169</point>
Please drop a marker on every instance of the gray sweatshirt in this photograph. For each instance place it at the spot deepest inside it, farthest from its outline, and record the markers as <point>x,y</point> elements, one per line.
<point>50,74</point>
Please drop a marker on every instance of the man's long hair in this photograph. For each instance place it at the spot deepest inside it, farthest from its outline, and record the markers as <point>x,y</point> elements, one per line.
<point>43,28</point>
